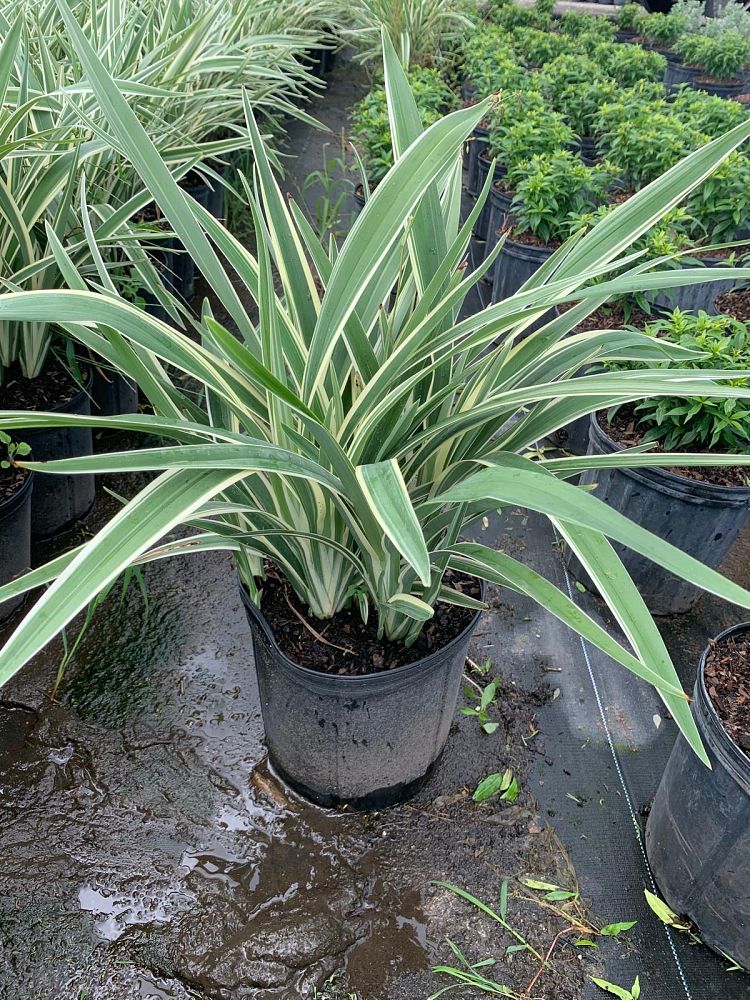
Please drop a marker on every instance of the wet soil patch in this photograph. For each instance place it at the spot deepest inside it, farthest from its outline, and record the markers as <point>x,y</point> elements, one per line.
<point>626,430</point>
<point>529,239</point>
<point>344,644</point>
<point>54,387</point>
<point>736,304</point>
<point>727,677</point>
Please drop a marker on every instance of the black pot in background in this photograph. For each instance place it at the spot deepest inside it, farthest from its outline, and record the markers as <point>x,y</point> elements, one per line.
<point>698,830</point>
<point>468,90</point>
<point>15,541</point>
<point>500,216</point>
<point>183,266</point>
<point>692,298</point>
<point>677,74</point>
<point>112,393</point>
<point>720,89</point>
<point>588,151</point>
<point>700,518</point>
<point>477,143</point>
<point>359,199</point>
<point>366,741</point>
<point>216,194</point>
<point>482,225</point>
<point>60,501</point>
<point>515,265</point>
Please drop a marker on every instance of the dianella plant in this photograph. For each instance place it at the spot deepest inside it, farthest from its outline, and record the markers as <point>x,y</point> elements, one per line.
<point>351,432</point>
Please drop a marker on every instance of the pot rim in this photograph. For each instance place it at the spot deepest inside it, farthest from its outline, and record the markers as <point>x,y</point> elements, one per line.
<point>11,504</point>
<point>733,757</point>
<point>682,487</point>
<point>405,668</point>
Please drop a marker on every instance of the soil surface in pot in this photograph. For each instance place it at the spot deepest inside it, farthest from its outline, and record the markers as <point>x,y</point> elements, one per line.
<point>344,644</point>
<point>611,318</point>
<point>528,239</point>
<point>55,387</point>
<point>727,676</point>
<point>736,304</point>
<point>626,430</point>
<point>11,481</point>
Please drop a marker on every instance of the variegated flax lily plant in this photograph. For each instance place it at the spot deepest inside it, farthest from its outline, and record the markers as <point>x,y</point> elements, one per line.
<point>352,433</point>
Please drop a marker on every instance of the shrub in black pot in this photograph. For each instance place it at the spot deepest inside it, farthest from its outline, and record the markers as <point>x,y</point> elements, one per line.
<point>512,141</point>
<point>697,834</point>
<point>630,18</point>
<point>715,62</point>
<point>701,511</point>
<point>548,190</point>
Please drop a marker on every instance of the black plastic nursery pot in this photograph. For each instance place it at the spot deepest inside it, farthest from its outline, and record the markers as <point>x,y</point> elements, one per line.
<point>477,143</point>
<point>515,265</point>
<point>359,198</point>
<point>588,150</point>
<point>701,518</point>
<point>366,741</point>
<point>482,225</point>
<point>698,830</point>
<point>112,393</point>
<point>692,298</point>
<point>676,74</point>
<point>15,540</point>
<point>183,266</point>
<point>501,217</point>
<point>60,501</point>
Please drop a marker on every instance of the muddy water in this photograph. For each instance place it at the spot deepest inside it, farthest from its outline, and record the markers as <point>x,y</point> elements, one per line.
<point>147,850</point>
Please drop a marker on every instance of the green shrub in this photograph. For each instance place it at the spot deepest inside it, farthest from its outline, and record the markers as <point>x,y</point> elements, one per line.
<point>630,17</point>
<point>535,47</point>
<point>628,64</point>
<point>491,65</point>
<point>696,423</point>
<point>580,102</point>
<point>578,25</point>
<point>706,113</point>
<point>567,70</point>
<point>644,97</point>
<point>509,16</point>
<point>538,132</point>
<point>551,188</point>
<point>663,30</point>
<point>733,16</point>
<point>646,145</point>
<point>720,207</point>
<point>722,57</point>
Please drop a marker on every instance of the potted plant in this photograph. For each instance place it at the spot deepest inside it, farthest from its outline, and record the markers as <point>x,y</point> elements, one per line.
<point>630,18</point>
<point>353,430</point>
<point>512,140</point>
<point>702,509</point>
<point>644,143</point>
<point>629,64</point>
<point>490,66</point>
<point>582,26</point>
<point>535,47</point>
<point>711,63</point>
<point>659,32</point>
<point>706,113</point>
<point>549,188</point>
<point>697,836</point>
<point>580,104</point>
<point>15,519</point>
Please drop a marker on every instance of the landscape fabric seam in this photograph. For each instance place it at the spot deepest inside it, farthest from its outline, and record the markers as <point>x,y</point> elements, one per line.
<point>626,791</point>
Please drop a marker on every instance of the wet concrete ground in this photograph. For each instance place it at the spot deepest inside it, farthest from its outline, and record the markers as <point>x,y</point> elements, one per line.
<point>147,851</point>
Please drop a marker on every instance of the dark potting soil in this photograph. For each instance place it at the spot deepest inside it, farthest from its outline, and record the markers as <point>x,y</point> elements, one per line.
<point>626,430</point>
<point>713,81</point>
<point>611,317</point>
<point>53,388</point>
<point>727,676</point>
<point>741,98</point>
<point>530,240</point>
<point>11,481</point>
<point>736,303</point>
<point>344,644</point>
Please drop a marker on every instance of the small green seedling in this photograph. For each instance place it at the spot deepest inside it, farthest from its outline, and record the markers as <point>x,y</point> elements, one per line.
<point>486,697</point>
<point>619,991</point>
<point>552,893</point>
<point>14,449</point>
<point>614,930</point>
<point>502,784</point>
<point>670,918</point>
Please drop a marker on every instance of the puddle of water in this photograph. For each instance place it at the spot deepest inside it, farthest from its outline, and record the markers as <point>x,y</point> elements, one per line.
<point>115,913</point>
